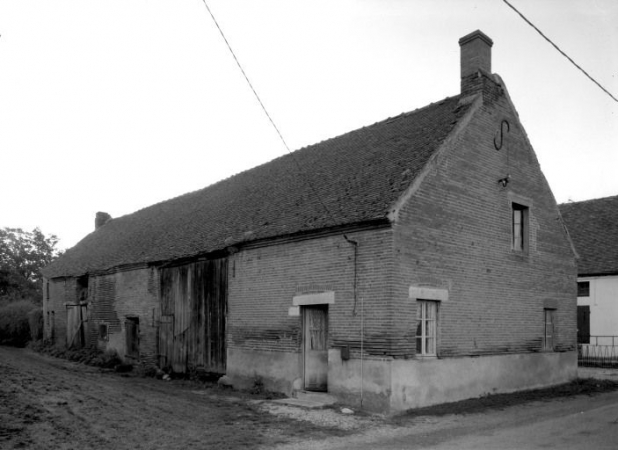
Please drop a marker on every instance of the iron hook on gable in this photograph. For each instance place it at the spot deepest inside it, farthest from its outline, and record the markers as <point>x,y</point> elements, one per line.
<point>500,134</point>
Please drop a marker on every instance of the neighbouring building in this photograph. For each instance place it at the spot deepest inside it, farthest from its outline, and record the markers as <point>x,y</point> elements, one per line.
<point>418,260</point>
<point>593,226</point>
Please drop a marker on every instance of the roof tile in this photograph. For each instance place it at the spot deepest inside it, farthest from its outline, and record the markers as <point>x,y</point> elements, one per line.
<point>357,176</point>
<point>593,226</point>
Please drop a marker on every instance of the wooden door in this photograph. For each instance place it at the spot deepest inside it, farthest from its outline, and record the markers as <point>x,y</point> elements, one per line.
<point>193,316</point>
<point>166,340</point>
<point>131,327</point>
<point>76,325</point>
<point>315,347</point>
<point>583,324</point>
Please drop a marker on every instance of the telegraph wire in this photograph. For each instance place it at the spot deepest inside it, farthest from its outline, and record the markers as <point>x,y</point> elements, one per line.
<point>558,48</point>
<point>266,112</point>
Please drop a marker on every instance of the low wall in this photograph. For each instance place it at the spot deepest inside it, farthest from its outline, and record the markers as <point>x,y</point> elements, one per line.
<point>422,383</point>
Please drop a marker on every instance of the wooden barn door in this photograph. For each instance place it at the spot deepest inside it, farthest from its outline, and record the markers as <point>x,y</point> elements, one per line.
<point>315,347</point>
<point>77,316</point>
<point>166,340</point>
<point>193,316</point>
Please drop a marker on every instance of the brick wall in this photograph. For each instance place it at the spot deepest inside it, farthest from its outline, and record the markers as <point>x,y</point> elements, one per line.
<point>113,298</point>
<point>263,282</point>
<point>455,233</point>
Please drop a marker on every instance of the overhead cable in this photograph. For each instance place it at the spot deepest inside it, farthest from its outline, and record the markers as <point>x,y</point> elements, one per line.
<point>558,48</point>
<point>266,111</point>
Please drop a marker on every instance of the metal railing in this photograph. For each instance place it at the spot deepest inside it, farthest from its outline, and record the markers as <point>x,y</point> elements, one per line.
<point>598,351</point>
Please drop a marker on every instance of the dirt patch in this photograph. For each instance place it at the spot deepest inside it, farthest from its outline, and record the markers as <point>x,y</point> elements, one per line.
<point>51,403</point>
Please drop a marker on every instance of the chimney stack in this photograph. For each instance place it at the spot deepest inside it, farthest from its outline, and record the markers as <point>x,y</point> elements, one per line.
<point>101,219</point>
<point>475,58</point>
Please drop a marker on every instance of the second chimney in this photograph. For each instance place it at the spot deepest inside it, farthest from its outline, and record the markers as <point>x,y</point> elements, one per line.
<point>475,56</point>
<point>101,219</point>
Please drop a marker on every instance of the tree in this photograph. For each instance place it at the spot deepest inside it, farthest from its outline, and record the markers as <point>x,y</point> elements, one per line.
<point>22,256</point>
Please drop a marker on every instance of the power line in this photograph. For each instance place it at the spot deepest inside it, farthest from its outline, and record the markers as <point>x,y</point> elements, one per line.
<point>558,48</point>
<point>300,170</point>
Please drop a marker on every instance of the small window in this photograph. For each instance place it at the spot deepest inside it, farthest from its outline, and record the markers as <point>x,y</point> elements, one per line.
<point>550,329</point>
<point>583,288</point>
<point>520,228</point>
<point>103,336</point>
<point>426,327</point>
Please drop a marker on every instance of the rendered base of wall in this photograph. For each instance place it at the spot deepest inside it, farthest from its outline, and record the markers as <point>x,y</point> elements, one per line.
<point>279,371</point>
<point>395,385</point>
<point>345,379</point>
<point>422,383</point>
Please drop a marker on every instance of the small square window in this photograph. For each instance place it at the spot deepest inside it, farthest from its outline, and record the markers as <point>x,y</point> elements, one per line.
<point>550,329</point>
<point>103,336</point>
<point>519,228</point>
<point>583,288</point>
<point>426,327</point>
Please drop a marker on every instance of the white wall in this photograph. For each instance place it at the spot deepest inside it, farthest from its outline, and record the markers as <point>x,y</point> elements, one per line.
<point>603,302</point>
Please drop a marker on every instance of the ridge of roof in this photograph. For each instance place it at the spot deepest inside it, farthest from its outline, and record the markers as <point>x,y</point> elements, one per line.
<point>357,175</point>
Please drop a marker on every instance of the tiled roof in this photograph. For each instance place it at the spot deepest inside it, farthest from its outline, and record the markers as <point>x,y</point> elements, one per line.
<point>593,226</point>
<point>358,176</point>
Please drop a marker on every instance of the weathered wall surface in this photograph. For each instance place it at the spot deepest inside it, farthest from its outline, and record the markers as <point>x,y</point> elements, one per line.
<point>603,302</point>
<point>455,233</point>
<point>263,282</point>
<point>422,383</point>
<point>112,298</point>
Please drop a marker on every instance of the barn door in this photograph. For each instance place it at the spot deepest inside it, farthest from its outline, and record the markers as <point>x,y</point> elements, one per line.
<point>77,316</point>
<point>315,347</point>
<point>166,340</point>
<point>193,316</point>
<point>583,324</point>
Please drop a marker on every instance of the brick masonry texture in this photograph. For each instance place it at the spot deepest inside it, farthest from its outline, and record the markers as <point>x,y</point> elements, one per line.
<point>263,282</point>
<point>455,233</point>
<point>111,299</point>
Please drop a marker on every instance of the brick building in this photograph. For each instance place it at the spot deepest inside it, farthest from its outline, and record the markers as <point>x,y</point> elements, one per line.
<point>418,260</point>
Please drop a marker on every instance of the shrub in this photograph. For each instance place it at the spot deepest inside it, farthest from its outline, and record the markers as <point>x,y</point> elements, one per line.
<point>14,323</point>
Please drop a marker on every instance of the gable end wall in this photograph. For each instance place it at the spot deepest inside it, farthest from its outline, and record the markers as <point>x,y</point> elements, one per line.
<point>454,233</point>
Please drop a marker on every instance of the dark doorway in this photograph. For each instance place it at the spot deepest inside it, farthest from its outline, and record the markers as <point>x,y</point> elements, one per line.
<point>583,324</point>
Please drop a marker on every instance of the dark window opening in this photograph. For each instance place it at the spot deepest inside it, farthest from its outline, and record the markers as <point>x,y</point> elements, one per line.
<point>103,330</point>
<point>519,228</point>
<point>583,288</point>
<point>82,288</point>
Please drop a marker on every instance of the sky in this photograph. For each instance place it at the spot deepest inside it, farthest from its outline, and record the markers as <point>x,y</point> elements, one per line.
<point>116,105</point>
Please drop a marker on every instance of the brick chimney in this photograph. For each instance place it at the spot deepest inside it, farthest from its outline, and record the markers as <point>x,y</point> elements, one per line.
<point>475,60</point>
<point>101,219</point>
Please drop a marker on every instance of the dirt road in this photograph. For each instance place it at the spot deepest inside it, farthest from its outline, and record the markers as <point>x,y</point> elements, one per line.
<point>48,403</point>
